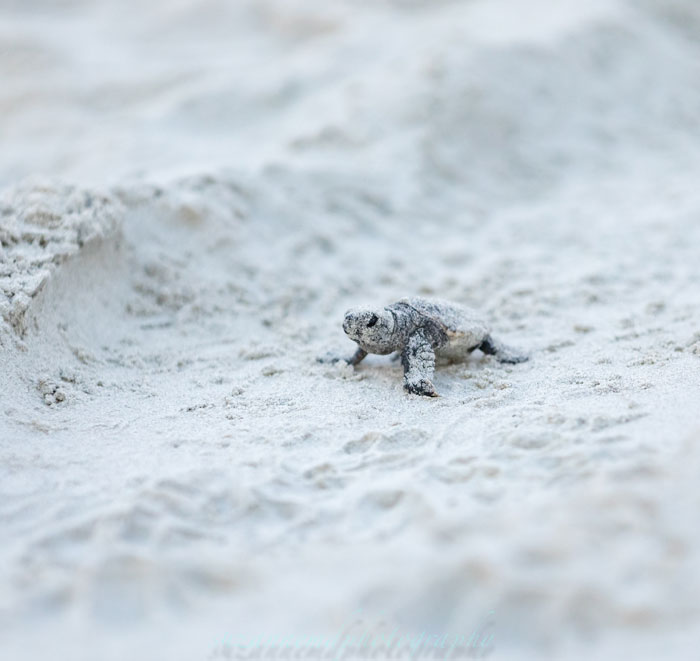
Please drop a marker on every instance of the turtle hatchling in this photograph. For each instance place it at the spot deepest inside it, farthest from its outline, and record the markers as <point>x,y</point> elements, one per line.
<point>422,331</point>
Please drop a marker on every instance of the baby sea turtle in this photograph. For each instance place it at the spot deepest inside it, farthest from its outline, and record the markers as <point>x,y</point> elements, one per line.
<point>422,330</point>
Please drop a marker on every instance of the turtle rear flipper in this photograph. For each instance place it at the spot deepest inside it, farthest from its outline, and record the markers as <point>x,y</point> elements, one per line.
<point>502,353</point>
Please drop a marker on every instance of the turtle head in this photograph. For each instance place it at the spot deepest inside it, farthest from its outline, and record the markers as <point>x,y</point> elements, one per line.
<point>371,328</point>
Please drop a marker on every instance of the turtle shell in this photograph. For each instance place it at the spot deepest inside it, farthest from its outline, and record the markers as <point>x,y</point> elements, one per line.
<point>461,325</point>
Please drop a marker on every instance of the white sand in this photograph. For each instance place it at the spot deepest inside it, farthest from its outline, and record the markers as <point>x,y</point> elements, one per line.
<point>176,471</point>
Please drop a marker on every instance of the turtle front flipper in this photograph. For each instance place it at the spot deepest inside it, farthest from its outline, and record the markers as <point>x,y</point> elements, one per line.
<point>418,359</point>
<point>355,359</point>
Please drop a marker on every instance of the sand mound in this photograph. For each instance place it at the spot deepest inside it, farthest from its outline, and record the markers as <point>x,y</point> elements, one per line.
<point>42,226</point>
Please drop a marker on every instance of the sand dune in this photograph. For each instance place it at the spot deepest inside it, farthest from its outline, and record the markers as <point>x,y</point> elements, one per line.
<point>194,194</point>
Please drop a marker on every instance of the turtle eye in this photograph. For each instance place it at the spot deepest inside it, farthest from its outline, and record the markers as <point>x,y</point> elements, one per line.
<point>373,320</point>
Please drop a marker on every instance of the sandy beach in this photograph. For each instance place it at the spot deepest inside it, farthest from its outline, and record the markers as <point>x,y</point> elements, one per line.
<point>194,192</point>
